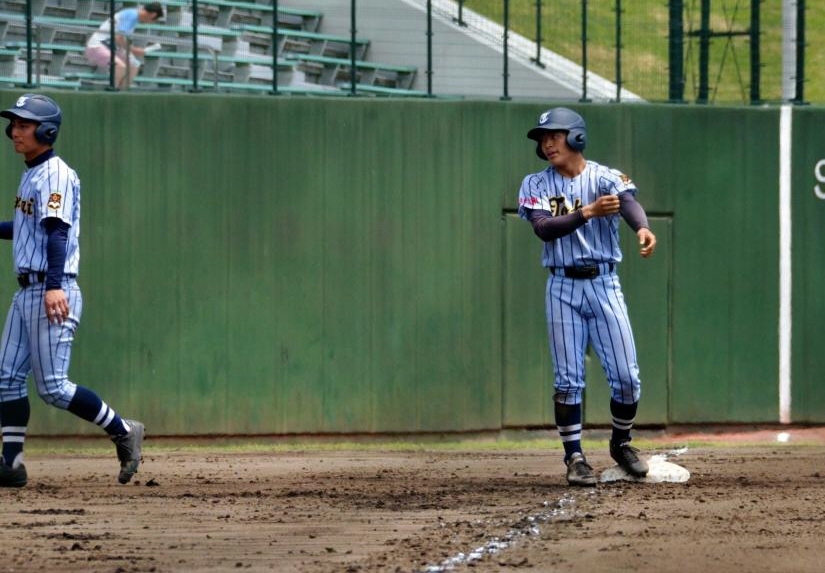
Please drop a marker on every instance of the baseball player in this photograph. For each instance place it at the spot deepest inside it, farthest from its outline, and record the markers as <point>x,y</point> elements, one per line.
<point>45,311</point>
<point>574,206</point>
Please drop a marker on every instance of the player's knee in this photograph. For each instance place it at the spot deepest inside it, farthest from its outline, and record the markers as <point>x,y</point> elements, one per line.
<point>626,393</point>
<point>53,399</point>
<point>57,393</point>
<point>569,395</point>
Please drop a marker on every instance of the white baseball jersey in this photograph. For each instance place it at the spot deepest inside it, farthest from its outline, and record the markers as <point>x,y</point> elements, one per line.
<point>593,243</point>
<point>50,189</point>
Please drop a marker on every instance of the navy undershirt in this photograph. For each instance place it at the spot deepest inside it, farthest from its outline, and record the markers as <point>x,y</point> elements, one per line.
<point>58,232</point>
<point>547,227</point>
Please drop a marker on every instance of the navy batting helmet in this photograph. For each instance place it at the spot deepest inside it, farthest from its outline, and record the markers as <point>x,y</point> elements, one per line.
<point>42,109</point>
<point>560,119</point>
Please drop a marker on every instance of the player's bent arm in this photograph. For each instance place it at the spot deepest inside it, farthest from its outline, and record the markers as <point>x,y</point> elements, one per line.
<point>7,230</point>
<point>632,212</point>
<point>546,227</point>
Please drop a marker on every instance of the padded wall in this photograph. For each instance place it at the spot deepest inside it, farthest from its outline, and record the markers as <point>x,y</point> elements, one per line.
<point>301,265</point>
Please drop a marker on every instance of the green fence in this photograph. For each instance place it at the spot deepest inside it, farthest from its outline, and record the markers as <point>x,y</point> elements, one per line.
<point>808,249</point>
<point>298,265</point>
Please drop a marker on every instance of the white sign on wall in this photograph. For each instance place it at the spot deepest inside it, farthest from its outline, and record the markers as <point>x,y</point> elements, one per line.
<point>819,173</point>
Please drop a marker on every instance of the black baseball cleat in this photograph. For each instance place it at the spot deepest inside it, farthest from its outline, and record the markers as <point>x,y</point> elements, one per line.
<point>128,450</point>
<point>12,477</point>
<point>628,459</point>
<point>579,472</point>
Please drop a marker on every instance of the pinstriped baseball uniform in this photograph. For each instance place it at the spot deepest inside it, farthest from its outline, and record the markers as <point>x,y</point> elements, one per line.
<point>45,312</point>
<point>29,343</point>
<point>51,189</point>
<point>585,311</point>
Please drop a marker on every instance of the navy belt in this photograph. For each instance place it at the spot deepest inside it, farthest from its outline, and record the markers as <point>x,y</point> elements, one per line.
<point>586,272</point>
<point>27,279</point>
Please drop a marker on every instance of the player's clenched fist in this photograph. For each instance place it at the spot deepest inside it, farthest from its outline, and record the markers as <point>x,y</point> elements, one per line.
<point>647,242</point>
<point>604,205</point>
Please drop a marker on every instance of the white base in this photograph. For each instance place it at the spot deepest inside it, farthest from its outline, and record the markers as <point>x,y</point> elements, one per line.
<point>659,471</point>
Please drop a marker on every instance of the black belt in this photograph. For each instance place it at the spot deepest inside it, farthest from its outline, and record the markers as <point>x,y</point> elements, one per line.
<point>588,272</point>
<point>27,279</point>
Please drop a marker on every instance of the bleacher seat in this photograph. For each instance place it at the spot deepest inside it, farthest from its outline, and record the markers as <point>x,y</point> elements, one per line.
<point>227,13</point>
<point>365,89</point>
<point>333,71</point>
<point>234,43</point>
<point>303,41</point>
<point>19,6</point>
<point>8,62</point>
<point>41,81</point>
<point>217,67</point>
<point>51,57</point>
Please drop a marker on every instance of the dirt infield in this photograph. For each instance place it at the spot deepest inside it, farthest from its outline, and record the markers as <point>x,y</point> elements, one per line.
<point>748,507</point>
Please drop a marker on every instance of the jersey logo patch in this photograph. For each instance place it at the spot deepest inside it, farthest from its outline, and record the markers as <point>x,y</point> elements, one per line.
<point>54,200</point>
<point>625,179</point>
<point>561,206</point>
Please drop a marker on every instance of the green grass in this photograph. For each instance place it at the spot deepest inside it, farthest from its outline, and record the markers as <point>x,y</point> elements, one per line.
<point>644,54</point>
<point>509,442</point>
<point>94,446</point>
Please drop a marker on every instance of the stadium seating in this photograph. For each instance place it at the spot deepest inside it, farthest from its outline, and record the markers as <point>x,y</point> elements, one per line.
<point>336,71</point>
<point>236,48</point>
<point>304,41</point>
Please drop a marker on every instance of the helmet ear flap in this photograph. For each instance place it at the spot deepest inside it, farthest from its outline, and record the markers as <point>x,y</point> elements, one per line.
<point>46,132</point>
<point>577,139</point>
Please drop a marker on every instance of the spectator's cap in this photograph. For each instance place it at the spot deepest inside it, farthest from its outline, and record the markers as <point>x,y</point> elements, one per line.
<point>155,8</point>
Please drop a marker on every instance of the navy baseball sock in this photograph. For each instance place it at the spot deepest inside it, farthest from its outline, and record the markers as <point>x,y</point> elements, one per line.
<point>87,405</point>
<point>15,417</point>
<point>569,425</point>
<point>623,417</point>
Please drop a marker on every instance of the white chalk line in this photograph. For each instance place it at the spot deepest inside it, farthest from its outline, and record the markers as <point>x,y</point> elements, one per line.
<point>526,527</point>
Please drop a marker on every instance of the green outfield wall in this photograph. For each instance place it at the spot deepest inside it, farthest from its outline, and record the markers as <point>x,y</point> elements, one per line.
<point>282,265</point>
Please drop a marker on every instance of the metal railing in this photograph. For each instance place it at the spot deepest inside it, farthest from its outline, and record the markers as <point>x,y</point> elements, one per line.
<point>585,52</point>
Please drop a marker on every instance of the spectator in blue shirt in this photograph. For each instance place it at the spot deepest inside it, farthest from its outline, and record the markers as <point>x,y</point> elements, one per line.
<point>99,49</point>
